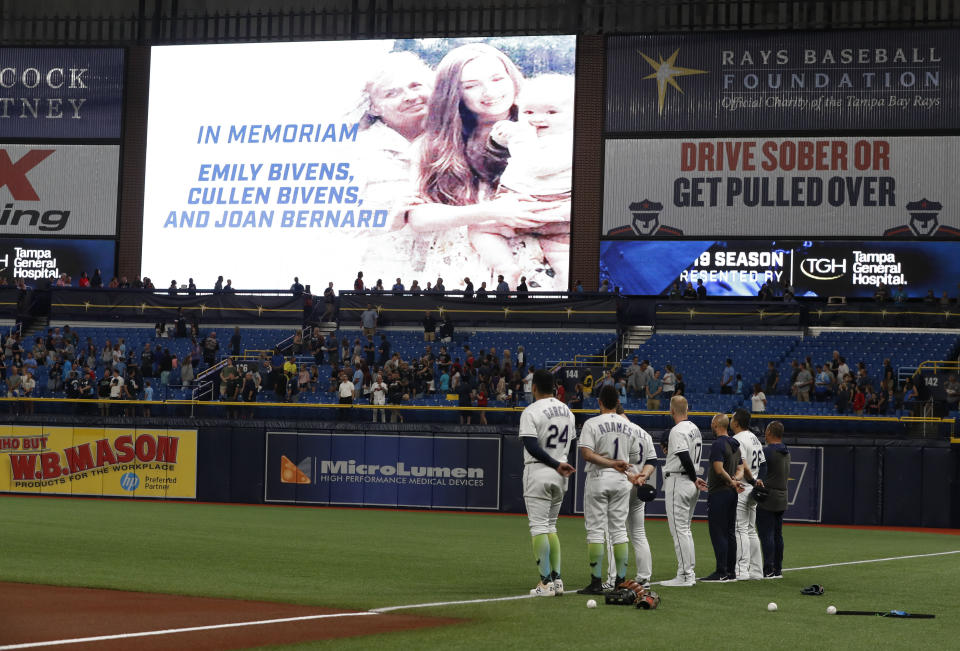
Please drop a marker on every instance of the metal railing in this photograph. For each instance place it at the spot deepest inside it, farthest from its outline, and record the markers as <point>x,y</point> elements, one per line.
<point>210,370</point>
<point>158,408</point>
<point>288,342</point>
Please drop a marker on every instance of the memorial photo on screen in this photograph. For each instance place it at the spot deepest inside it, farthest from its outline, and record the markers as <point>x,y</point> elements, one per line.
<point>416,159</point>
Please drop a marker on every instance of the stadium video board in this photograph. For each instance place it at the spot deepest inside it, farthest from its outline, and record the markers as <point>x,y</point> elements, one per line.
<point>401,158</point>
<point>812,268</point>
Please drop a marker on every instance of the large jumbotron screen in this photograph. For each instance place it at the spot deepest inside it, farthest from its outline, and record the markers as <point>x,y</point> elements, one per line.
<point>401,158</point>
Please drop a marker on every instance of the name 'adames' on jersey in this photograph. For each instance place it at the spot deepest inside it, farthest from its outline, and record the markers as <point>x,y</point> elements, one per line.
<point>553,425</point>
<point>611,436</point>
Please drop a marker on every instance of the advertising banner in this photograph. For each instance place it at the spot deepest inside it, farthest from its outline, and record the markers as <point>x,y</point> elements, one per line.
<point>379,153</point>
<point>61,93</point>
<point>902,188</point>
<point>117,462</point>
<point>747,81</point>
<point>440,472</point>
<point>58,189</point>
<point>39,262</point>
<point>804,498</point>
<point>811,267</point>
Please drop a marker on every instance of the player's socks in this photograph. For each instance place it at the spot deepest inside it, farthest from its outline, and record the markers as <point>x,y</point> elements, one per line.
<point>554,540</point>
<point>620,556</point>
<point>595,553</point>
<point>541,553</point>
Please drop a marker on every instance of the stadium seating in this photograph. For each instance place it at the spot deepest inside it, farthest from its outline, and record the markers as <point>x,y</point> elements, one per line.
<point>700,359</point>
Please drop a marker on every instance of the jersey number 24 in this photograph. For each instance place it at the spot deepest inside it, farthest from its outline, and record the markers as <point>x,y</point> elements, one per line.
<point>556,436</point>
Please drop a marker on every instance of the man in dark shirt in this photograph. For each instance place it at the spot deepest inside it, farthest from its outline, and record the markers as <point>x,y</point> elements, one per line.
<point>369,351</point>
<point>146,361</point>
<point>770,379</point>
<point>465,399</point>
<point>103,391</point>
<point>467,288</point>
<point>329,303</point>
<point>723,488</point>
<point>770,511</point>
<point>443,361</point>
<point>383,350</point>
<point>701,290</point>
<point>429,327</point>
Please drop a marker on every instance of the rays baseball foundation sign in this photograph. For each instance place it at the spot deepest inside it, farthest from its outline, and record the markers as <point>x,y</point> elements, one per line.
<point>803,187</point>
<point>728,82</point>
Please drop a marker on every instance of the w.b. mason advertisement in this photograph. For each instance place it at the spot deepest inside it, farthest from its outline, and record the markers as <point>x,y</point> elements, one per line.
<point>736,82</point>
<point>802,187</point>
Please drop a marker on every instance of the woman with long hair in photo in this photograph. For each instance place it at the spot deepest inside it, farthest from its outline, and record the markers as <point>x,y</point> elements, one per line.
<point>476,86</point>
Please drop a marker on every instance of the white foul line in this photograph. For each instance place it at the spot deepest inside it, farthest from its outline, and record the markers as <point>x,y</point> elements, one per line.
<point>871,560</point>
<point>447,603</point>
<point>386,609</point>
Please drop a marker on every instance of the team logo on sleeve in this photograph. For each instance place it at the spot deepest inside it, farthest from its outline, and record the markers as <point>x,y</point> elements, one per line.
<point>924,222</point>
<point>645,222</point>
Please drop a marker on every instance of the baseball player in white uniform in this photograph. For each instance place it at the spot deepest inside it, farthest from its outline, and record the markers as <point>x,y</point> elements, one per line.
<point>608,445</point>
<point>547,429</point>
<point>749,553</point>
<point>681,488</point>
<point>637,512</point>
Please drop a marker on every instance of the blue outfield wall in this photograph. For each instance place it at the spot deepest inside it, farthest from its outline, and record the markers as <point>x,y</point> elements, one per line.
<point>833,481</point>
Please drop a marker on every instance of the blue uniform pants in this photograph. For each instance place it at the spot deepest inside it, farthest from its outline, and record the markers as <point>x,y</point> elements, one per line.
<point>722,520</point>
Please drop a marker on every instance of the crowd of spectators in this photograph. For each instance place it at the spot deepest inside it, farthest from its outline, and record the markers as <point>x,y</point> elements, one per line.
<point>638,380</point>
<point>365,369</point>
<point>852,390</point>
<point>89,369</point>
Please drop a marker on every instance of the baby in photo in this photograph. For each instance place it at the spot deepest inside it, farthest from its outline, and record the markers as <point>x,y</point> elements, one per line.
<point>539,169</point>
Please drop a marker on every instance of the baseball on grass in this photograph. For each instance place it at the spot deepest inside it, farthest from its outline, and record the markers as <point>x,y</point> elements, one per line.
<point>771,606</point>
<point>831,610</point>
<point>591,603</point>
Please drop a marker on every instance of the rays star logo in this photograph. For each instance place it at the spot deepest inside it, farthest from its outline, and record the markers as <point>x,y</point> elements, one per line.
<point>665,72</point>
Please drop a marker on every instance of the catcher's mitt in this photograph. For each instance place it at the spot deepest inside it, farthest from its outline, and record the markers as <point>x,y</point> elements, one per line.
<point>649,600</point>
<point>625,594</point>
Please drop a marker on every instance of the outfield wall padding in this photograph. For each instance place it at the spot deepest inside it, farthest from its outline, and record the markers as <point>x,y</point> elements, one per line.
<point>839,480</point>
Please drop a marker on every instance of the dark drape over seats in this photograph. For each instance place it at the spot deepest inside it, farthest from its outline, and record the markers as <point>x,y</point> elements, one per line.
<point>133,305</point>
<point>595,311</point>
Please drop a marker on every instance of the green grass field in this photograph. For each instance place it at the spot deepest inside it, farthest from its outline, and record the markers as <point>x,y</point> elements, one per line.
<point>362,559</point>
